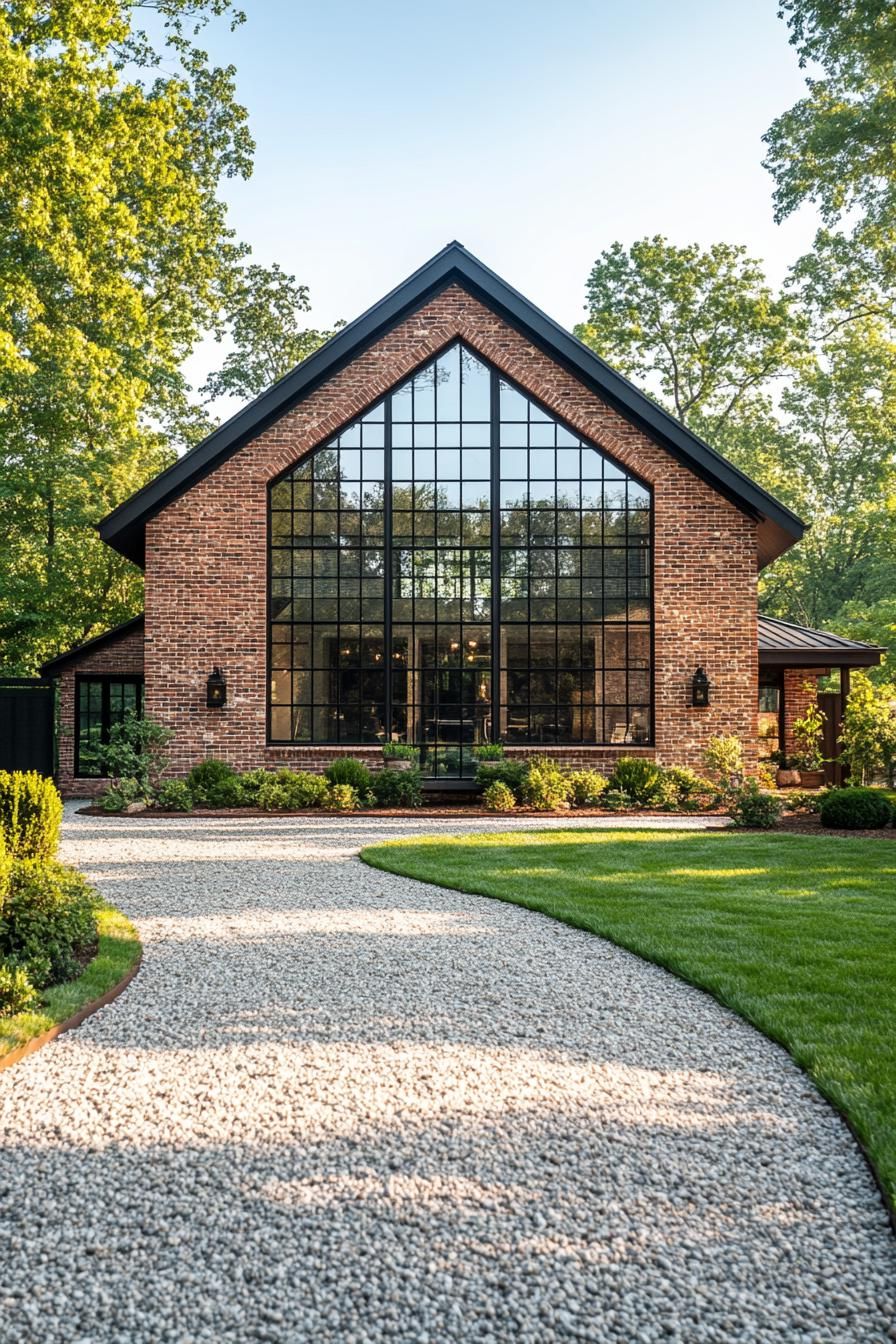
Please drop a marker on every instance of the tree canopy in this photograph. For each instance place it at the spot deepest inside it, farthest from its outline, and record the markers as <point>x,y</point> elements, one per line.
<point>797,388</point>
<point>115,256</point>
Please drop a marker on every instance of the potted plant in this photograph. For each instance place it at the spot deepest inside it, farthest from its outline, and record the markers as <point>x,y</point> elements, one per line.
<point>786,775</point>
<point>400,756</point>
<point>808,733</point>
<point>488,751</point>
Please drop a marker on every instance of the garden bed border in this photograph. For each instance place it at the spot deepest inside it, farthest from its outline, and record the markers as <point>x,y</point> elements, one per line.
<point>88,1009</point>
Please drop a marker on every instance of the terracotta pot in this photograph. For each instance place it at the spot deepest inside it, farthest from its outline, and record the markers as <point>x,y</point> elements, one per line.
<point>812,779</point>
<point>788,779</point>
<point>398,763</point>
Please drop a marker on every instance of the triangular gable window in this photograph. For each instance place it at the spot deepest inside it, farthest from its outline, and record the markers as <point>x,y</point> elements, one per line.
<point>457,566</point>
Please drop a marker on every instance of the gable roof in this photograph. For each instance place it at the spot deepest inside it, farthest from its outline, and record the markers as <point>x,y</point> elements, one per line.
<point>55,665</point>
<point>783,644</point>
<point>778,528</point>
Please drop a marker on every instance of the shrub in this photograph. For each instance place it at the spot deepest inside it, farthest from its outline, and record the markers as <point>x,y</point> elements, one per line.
<point>5,869</point>
<point>509,773</point>
<point>641,781</point>
<point>288,791</point>
<point>48,919</point>
<point>136,750</point>
<point>400,751</point>
<point>749,806</point>
<point>396,788</point>
<point>489,751</point>
<point>17,994</point>
<point>251,782</point>
<point>349,771</point>
<point>856,809</point>
<point>724,756</point>
<point>215,784</point>
<point>615,801</point>
<point>545,787</point>
<point>686,791</point>
<point>30,814</point>
<point>802,800</point>
<point>343,797</point>
<point>120,794</point>
<point>174,796</point>
<point>498,798</point>
<point>586,787</point>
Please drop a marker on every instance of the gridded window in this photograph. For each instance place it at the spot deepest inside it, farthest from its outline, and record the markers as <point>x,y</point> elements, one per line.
<point>575,586</point>
<point>101,703</point>
<point>458,566</point>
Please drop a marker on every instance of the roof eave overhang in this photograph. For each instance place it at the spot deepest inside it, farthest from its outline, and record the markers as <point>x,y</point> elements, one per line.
<point>820,657</point>
<point>777,527</point>
<point>55,665</point>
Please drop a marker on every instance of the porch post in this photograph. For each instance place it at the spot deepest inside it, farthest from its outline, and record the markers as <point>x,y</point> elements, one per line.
<point>842,770</point>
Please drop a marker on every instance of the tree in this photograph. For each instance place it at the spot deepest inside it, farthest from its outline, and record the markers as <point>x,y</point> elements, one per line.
<point>798,391</point>
<point>702,328</point>
<point>834,147</point>
<point>868,736</point>
<point>266,333</point>
<point>115,256</point>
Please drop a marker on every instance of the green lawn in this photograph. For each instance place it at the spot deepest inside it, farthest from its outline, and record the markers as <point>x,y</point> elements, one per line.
<point>118,950</point>
<point>795,933</point>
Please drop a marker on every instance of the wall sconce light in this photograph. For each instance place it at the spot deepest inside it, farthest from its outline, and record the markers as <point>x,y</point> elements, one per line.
<point>700,689</point>
<point>216,690</point>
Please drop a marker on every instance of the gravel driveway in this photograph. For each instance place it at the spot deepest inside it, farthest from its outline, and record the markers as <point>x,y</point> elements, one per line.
<point>337,1105</point>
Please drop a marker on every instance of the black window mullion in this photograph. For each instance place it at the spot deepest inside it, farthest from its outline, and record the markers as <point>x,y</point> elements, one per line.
<point>387,561</point>
<point>495,559</point>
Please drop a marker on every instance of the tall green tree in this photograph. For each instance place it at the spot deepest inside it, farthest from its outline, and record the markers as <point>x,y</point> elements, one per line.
<point>836,147</point>
<point>266,333</point>
<point>115,256</point>
<point>798,389</point>
<point>699,327</point>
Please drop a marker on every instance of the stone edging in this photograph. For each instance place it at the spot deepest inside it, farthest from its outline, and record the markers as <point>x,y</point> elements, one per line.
<point>71,1022</point>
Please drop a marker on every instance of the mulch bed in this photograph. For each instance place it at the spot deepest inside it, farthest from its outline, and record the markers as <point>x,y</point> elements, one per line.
<point>451,811</point>
<point>800,823</point>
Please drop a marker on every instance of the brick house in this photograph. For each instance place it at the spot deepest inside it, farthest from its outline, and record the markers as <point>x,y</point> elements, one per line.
<point>452,524</point>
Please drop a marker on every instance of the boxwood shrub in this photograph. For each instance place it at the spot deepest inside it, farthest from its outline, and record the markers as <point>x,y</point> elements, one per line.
<point>856,809</point>
<point>48,919</point>
<point>396,788</point>
<point>30,814</point>
<point>289,790</point>
<point>508,772</point>
<point>214,783</point>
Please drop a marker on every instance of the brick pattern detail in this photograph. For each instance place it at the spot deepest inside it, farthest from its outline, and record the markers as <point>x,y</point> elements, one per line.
<point>206,559</point>
<point>800,690</point>
<point>122,658</point>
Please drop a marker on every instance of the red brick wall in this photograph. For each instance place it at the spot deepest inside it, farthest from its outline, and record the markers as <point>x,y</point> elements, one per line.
<point>122,658</point>
<point>800,691</point>
<point>206,558</point>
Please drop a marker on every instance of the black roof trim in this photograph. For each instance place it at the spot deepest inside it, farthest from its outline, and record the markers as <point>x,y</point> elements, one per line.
<point>779,527</point>
<point>117,632</point>
<point>783,644</point>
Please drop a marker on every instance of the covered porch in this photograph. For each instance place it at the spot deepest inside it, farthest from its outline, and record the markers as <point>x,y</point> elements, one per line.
<point>792,660</point>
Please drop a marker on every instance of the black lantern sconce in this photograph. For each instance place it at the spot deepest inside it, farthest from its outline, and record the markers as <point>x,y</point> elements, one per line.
<point>700,689</point>
<point>216,690</point>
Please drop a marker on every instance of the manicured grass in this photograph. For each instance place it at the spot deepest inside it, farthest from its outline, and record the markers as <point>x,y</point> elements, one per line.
<point>118,950</point>
<point>797,934</point>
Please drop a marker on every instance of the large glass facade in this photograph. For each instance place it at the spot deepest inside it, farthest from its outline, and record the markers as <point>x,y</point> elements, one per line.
<point>456,567</point>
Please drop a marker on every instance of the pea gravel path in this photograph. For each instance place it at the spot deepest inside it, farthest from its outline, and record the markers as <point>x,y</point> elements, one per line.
<point>337,1105</point>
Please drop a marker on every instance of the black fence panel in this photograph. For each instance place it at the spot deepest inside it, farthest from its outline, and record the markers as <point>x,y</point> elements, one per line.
<point>27,717</point>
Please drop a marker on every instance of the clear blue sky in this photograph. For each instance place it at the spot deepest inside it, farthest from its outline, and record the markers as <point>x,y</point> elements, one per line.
<point>535,133</point>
